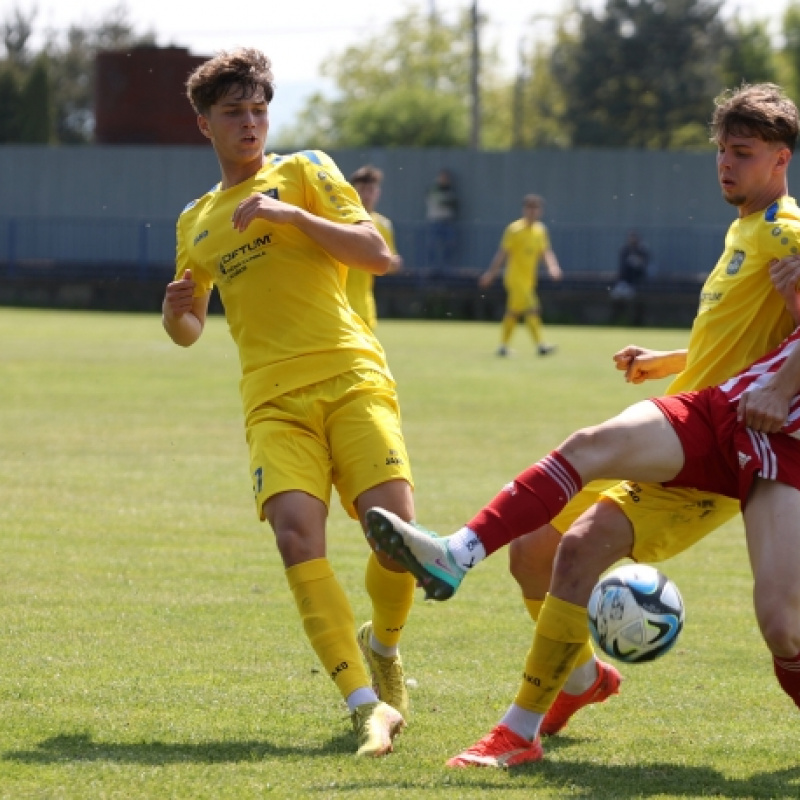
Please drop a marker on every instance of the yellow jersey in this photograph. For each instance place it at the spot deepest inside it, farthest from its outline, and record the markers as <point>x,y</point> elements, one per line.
<point>741,316</point>
<point>283,294</point>
<point>360,283</point>
<point>524,245</point>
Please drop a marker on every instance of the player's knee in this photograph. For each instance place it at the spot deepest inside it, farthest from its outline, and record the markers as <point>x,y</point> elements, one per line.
<point>531,560</point>
<point>781,632</point>
<point>296,546</point>
<point>589,448</point>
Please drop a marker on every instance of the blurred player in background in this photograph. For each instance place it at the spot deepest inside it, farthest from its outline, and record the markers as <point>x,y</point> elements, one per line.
<point>277,236</point>
<point>367,181</point>
<point>525,243</point>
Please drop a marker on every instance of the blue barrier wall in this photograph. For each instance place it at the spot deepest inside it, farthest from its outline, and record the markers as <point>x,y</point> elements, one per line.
<point>114,208</point>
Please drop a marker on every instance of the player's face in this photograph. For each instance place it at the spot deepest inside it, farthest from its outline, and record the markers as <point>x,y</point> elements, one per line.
<point>369,194</point>
<point>751,172</point>
<point>531,211</point>
<point>237,126</point>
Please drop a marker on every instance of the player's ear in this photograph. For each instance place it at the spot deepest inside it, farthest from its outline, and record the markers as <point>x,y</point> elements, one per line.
<point>784,157</point>
<point>202,123</point>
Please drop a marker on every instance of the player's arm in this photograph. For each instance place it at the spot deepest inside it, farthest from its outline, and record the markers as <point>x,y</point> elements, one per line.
<point>358,245</point>
<point>182,314</point>
<point>766,408</point>
<point>553,267</point>
<point>495,267</point>
<point>785,276</point>
<point>641,364</point>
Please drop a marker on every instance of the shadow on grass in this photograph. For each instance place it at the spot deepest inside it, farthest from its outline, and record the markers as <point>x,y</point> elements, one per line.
<point>619,782</point>
<point>81,747</point>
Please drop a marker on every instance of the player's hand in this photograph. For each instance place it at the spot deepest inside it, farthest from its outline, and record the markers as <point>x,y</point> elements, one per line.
<point>485,280</point>
<point>259,206</point>
<point>642,365</point>
<point>764,410</point>
<point>179,296</point>
<point>785,277</point>
<point>785,274</point>
<point>397,263</point>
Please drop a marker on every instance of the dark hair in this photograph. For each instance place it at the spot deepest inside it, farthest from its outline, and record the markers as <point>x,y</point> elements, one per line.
<point>532,200</point>
<point>762,110</point>
<point>246,68</point>
<point>366,174</point>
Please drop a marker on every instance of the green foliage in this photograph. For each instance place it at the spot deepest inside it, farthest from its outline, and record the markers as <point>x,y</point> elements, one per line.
<point>35,105</point>
<point>791,48</point>
<point>540,102</point>
<point>748,56</point>
<point>408,85</point>
<point>640,70</point>
<point>151,648</point>
<point>9,104</point>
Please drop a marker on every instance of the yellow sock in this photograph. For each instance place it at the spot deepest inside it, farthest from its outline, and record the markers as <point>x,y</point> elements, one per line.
<point>561,633</point>
<point>392,595</point>
<point>329,623</point>
<point>507,329</point>
<point>534,323</point>
<point>585,654</point>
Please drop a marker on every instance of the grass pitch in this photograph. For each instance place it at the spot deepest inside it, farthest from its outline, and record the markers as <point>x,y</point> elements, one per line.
<point>150,646</point>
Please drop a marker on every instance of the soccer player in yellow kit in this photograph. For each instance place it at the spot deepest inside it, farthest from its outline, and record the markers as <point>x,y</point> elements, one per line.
<point>367,181</point>
<point>743,313</point>
<point>525,243</point>
<point>276,236</point>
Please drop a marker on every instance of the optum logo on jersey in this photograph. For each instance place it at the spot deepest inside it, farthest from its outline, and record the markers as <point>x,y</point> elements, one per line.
<point>261,241</point>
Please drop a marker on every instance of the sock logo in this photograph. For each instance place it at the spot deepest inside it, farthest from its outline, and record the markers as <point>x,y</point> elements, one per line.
<point>339,668</point>
<point>531,679</point>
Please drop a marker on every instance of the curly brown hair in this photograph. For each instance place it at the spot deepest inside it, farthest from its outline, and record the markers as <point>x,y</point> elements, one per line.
<point>246,68</point>
<point>762,110</point>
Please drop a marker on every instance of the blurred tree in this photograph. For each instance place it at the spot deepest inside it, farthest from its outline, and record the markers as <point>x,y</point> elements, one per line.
<point>55,87</point>
<point>9,105</point>
<point>539,102</point>
<point>35,105</point>
<point>17,29</point>
<point>748,55</point>
<point>642,73</point>
<point>791,49</point>
<point>407,85</point>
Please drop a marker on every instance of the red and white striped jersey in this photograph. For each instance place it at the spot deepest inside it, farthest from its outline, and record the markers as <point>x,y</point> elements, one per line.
<point>759,373</point>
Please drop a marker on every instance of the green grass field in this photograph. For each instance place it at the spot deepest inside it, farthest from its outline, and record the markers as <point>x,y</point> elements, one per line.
<point>150,646</point>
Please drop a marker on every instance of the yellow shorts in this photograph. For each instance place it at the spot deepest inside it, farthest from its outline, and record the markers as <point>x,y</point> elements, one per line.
<point>666,521</point>
<point>519,300</point>
<point>343,432</point>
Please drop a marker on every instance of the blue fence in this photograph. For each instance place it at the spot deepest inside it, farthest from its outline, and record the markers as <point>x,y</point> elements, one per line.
<point>144,249</point>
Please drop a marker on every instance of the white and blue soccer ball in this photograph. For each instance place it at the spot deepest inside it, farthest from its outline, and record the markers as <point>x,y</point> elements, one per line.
<point>635,613</point>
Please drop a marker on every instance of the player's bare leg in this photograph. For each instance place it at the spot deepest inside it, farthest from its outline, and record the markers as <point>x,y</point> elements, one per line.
<point>773,542</point>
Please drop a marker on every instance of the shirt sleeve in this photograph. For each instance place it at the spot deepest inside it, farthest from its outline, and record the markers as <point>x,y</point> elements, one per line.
<point>326,191</point>
<point>203,280</point>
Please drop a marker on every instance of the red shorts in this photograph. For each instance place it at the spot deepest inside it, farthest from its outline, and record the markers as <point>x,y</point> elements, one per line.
<point>723,455</point>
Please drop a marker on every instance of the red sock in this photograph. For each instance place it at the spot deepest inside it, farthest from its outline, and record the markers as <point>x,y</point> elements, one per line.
<point>531,500</point>
<point>787,671</point>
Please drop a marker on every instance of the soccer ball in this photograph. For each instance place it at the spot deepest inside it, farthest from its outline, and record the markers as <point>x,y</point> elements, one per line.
<point>635,613</point>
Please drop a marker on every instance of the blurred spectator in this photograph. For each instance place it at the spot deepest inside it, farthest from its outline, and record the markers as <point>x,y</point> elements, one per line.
<point>441,203</point>
<point>634,261</point>
<point>367,181</point>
